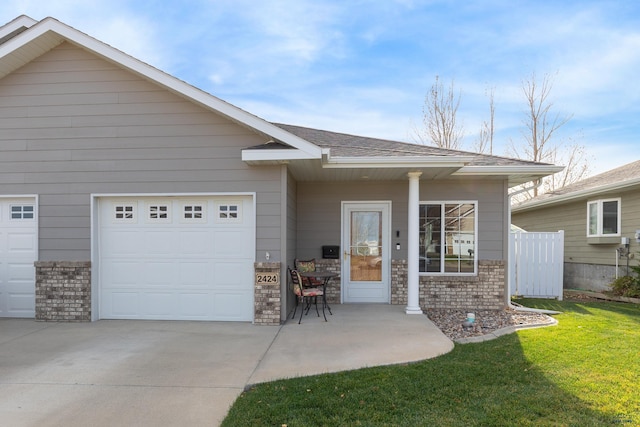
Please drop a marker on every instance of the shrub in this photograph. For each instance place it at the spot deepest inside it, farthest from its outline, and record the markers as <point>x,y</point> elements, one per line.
<point>626,286</point>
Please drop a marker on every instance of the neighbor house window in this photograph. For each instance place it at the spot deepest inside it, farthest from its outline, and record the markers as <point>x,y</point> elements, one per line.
<point>603,218</point>
<point>448,236</point>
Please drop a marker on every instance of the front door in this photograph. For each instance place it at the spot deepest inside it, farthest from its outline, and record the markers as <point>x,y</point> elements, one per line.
<point>366,239</point>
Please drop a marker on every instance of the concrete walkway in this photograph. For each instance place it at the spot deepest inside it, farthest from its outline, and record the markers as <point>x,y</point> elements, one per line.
<point>151,373</point>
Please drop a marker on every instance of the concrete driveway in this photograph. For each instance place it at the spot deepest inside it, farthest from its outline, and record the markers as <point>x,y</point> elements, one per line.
<point>152,373</point>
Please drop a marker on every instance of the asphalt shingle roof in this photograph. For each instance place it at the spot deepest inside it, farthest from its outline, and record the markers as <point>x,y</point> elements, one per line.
<point>615,177</point>
<point>618,175</point>
<point>345,145</point>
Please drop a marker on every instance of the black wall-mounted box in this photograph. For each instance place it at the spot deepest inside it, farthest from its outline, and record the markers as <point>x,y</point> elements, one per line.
<point>331,252</point>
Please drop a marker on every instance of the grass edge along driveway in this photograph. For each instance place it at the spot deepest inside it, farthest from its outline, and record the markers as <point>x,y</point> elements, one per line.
<point>583,372</point>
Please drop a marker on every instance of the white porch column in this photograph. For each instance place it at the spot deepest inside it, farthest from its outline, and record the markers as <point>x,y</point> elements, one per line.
<point>413,243</point>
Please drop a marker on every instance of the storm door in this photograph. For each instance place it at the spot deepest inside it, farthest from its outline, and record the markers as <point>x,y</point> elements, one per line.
<point>366,252</point>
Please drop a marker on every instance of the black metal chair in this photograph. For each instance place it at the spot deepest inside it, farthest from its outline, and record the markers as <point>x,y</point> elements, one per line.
<point>305,295</point>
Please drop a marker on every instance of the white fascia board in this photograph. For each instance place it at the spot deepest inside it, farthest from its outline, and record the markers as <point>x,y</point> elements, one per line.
<point>276,155</point>
<point>394,162</point>
<point>19,22</point>
<point>565,198</point>
<point>542,170</point>
<point>147,71</point>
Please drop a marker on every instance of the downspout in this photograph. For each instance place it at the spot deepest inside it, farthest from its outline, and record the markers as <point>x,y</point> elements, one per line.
<point>512,306</point>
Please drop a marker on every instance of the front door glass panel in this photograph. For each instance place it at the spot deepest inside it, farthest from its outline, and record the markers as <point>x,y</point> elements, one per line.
<point>366,246</point>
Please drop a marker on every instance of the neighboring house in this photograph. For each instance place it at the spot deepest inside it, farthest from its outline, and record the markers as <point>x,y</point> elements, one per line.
<point>138,196</point>
<point>596,214</point>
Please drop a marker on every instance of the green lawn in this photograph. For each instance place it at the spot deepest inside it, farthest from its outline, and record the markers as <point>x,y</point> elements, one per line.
<point>583,372</point>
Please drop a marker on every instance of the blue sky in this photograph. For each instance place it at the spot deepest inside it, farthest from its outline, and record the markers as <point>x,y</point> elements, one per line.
<point>364,66</point>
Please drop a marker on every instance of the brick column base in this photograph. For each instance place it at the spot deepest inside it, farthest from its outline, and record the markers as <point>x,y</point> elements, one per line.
<point>267,305</point>
<point>63,291</point>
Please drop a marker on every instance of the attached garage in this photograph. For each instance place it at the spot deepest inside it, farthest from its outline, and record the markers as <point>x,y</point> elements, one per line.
<point>18,251</point>
<point>175,257</point>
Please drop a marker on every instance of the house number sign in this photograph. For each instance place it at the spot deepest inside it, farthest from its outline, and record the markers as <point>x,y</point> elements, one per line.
<point>267,278</point>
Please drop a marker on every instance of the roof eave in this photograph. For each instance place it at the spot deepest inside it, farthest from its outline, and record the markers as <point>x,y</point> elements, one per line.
<point>565,198</point>
<point>275,155</point>
<point>538,170</point>
<point>16,24</point>
<point>395,162</point>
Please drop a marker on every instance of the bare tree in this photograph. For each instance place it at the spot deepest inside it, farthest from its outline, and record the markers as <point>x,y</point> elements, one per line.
<point>574,158</point>
<point>541,125</point>
<point>487,129</point>
<point>439,117</point>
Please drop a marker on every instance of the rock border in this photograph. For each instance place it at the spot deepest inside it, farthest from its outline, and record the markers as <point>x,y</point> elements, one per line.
<point>505,331</point>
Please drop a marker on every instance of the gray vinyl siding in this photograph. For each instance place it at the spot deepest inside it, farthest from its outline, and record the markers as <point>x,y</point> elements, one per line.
<point>73,124</point>
<point>319,211</point>
<point>572,218</point>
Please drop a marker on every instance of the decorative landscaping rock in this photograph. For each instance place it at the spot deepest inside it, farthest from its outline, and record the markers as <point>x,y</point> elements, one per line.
<point>453,322</point>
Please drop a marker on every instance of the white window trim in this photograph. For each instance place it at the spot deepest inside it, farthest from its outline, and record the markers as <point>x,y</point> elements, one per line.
<point>599,217</point>
<point>475,244</point>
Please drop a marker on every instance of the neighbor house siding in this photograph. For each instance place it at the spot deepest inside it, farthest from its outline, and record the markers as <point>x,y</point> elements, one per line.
<point>74,124</point>
<point>319,210</point>
<point>572,218</point>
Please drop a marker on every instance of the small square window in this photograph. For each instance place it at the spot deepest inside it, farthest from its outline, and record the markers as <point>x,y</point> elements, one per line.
<point>193,212</point>
<point>158,212</point>
<point>124,212</point>
<point>228,211</point>
<point>22,212</point>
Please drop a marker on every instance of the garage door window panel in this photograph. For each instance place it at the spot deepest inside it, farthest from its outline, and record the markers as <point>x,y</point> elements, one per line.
<point>229,213</point>
<point>194,213</point>
<point>19,212</point>
<point>124,213</point>
<point>159,213</point>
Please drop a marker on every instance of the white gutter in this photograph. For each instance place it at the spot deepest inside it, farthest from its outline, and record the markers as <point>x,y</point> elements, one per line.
<point>511,170</point>
<point>394,161</point>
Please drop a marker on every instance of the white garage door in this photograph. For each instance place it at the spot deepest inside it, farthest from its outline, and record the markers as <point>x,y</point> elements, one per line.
<point>18,251</point>
<point>177,258</point>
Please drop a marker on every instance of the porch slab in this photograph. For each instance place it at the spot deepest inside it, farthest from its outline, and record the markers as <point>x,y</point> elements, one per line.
<point>355,336</point>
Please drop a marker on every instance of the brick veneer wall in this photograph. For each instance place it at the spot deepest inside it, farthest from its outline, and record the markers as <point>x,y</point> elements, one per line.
<point>267,305</point>
<point>485,291</point>
<point>333,288</point>
<point>63,291</point>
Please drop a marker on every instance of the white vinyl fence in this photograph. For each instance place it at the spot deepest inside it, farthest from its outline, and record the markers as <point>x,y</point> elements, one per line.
<point>536,263</point>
